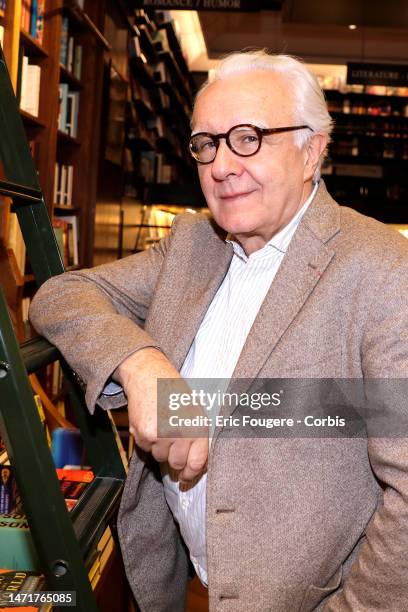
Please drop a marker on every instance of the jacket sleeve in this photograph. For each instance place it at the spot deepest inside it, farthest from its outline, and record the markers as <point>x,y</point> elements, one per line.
<point>95,317</point>
<point>378,579</point>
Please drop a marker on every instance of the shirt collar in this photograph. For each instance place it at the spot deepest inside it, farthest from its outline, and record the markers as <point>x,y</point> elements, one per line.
<point>281,240</point>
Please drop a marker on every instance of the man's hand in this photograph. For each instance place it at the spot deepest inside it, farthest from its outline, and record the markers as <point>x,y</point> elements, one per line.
<point>138,375</point>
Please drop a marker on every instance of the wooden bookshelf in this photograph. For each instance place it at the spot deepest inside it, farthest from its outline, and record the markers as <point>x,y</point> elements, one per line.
<point>367,165</point>
<point>74,142</point>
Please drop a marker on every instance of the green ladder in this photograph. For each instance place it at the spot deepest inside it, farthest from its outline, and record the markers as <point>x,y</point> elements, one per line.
<point>63,540</point>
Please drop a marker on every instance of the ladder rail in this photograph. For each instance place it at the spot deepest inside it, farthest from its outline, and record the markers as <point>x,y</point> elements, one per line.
<point>52,529</point>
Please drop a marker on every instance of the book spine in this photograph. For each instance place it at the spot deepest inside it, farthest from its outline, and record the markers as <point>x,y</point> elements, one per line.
<point>33,18</point>
<point>6,489</point>
<point>78,62</point>
<point>40,21</point>
<point>64,41</point>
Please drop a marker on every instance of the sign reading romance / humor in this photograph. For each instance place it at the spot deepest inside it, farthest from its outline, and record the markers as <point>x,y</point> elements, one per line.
<point>212,5</point>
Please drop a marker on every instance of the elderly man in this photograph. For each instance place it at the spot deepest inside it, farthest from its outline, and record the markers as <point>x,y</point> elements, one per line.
<point>281,283</point>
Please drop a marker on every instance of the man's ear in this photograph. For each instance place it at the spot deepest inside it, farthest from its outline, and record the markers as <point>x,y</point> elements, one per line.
<point>313,151</point>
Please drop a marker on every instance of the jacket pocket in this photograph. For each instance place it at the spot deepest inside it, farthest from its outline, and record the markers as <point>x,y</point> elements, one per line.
<point>314,595</point>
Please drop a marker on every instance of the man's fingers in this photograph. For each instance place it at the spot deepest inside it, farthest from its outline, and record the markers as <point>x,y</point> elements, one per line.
<point>160,449</point>
<point>178,453</point>
<point>196,460</point>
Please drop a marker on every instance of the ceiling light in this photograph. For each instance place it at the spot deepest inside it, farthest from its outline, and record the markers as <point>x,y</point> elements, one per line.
<point>352,26</point>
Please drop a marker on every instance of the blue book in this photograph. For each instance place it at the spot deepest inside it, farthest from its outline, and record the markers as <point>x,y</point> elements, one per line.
<point>33,22</point>
<point>67,447</point>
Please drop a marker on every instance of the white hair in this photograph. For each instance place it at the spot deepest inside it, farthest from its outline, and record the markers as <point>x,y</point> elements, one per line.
<point>310,106</point>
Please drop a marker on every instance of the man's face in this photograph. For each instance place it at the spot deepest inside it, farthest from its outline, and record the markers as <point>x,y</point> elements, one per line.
<point>252,197</point>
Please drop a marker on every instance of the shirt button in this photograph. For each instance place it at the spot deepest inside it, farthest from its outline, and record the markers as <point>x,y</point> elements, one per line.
<point>184,503</point>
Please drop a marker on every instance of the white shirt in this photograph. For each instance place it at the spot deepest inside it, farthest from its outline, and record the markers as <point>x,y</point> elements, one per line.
<point>224,328</point>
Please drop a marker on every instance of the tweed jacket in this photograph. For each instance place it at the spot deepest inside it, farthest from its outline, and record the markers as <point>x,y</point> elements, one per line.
<point>293,524</point>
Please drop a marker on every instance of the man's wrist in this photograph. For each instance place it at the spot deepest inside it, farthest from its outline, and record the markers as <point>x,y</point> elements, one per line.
<point>131,364</point>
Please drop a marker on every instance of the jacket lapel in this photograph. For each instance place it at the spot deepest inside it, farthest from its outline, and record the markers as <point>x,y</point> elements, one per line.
<point>304,264</point>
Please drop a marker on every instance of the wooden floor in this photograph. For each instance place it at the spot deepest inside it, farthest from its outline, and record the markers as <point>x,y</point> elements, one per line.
<point>197,597</point>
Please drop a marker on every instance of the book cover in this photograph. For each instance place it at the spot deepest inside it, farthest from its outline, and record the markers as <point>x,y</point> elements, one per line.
<point>75,475</point>
<point>17,549</point>
<point>67,447</point>
<point>13,581</point>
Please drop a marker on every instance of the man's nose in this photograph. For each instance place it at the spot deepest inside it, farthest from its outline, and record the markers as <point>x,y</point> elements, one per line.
<point>226,162</point>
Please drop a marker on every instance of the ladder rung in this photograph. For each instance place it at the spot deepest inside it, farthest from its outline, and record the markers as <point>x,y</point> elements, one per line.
<point>94,509</point>
<point>22,192</point>
<point>38,353</point>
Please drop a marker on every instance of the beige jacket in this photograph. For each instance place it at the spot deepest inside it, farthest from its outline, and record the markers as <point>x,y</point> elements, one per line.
<point>293,524</point>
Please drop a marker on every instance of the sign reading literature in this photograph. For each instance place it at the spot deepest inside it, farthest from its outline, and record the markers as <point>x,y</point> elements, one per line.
<point>377,74</point>
<point>212,5</point>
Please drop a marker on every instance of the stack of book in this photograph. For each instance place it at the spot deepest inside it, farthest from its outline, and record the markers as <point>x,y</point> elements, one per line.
<point>32,18</point>
<point>70,52</point>
<point>63,183</point>
<point>68,110</point>
<point>100,557</point>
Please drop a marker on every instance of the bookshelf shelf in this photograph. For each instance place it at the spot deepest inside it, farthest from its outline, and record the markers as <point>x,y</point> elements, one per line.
<point>67,77</point>
<point>31,121</point>
<point>66,209</point>
<point>32,46</point>
<point>67,139</point>
<point>84,22</point>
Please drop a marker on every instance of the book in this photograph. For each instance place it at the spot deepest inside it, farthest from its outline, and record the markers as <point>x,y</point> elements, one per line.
<point>75,475</point>
<point>1,35</point>
<point>39,25</point>
<point>33,20</point>
<point>30,88</point>
<point>71,121</point>
<point>43,420</point>
<point>62,115</point>
<point>64,41</point>
<point>61,234</point>
<point>73,238</point>
<point>70,54</point>
<point>78,61</point>
<point>7,489</point>
<point>18,582</point>
<point>67,447</point>
<point>17,549</point>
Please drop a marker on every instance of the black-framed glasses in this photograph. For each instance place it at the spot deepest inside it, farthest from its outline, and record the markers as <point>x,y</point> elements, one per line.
<point>243,140</point>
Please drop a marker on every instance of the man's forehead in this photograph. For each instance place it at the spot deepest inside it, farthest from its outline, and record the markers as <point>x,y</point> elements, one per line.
<point>257,97</point>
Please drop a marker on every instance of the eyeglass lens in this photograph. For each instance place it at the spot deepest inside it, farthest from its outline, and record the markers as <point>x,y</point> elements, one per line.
<point>243,140</point>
